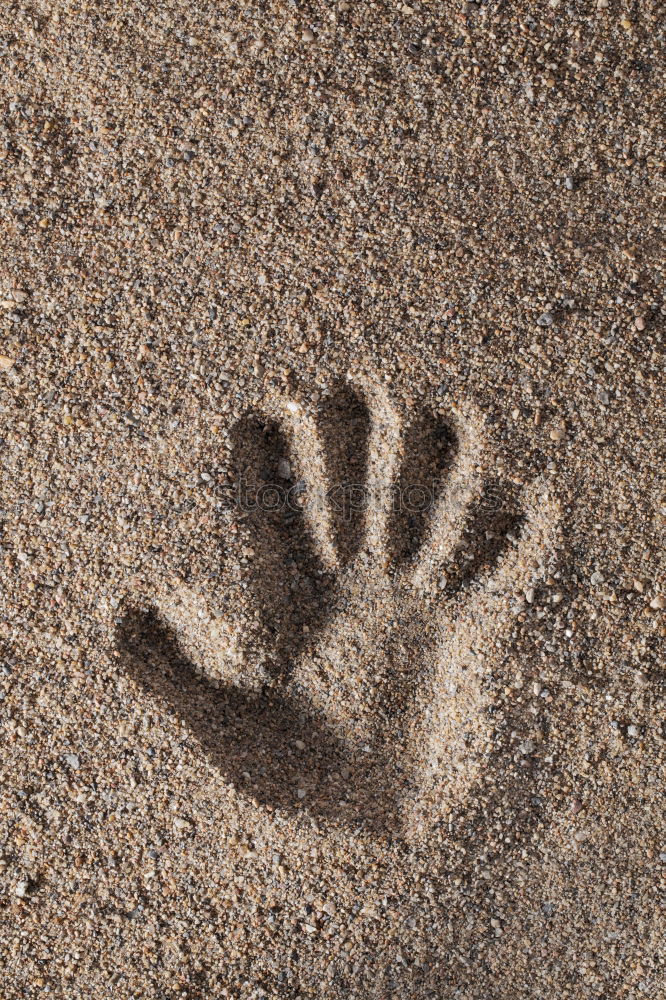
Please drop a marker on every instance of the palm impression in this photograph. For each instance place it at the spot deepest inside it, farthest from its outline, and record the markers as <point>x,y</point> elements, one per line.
<point>345,661</point>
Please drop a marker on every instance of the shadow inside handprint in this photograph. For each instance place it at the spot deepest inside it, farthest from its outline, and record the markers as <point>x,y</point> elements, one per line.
<point>291,581</point>
<point>265,744</point>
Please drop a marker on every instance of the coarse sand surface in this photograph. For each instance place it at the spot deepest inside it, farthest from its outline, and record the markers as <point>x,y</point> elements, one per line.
<point>333,500</point>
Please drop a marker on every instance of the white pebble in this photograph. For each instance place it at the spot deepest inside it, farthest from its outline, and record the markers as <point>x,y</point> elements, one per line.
<point>22,889</point>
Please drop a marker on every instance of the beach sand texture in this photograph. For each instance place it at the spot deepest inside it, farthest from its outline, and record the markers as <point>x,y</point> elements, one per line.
<point>333,501</point>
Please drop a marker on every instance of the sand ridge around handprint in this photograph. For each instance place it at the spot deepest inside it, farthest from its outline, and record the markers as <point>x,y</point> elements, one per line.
<point>376,563</point>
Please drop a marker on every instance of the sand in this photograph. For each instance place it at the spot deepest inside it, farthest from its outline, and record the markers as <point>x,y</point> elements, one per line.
<point>333,501</point>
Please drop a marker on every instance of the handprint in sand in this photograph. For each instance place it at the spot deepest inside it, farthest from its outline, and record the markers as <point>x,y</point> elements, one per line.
<point>373,567</point>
